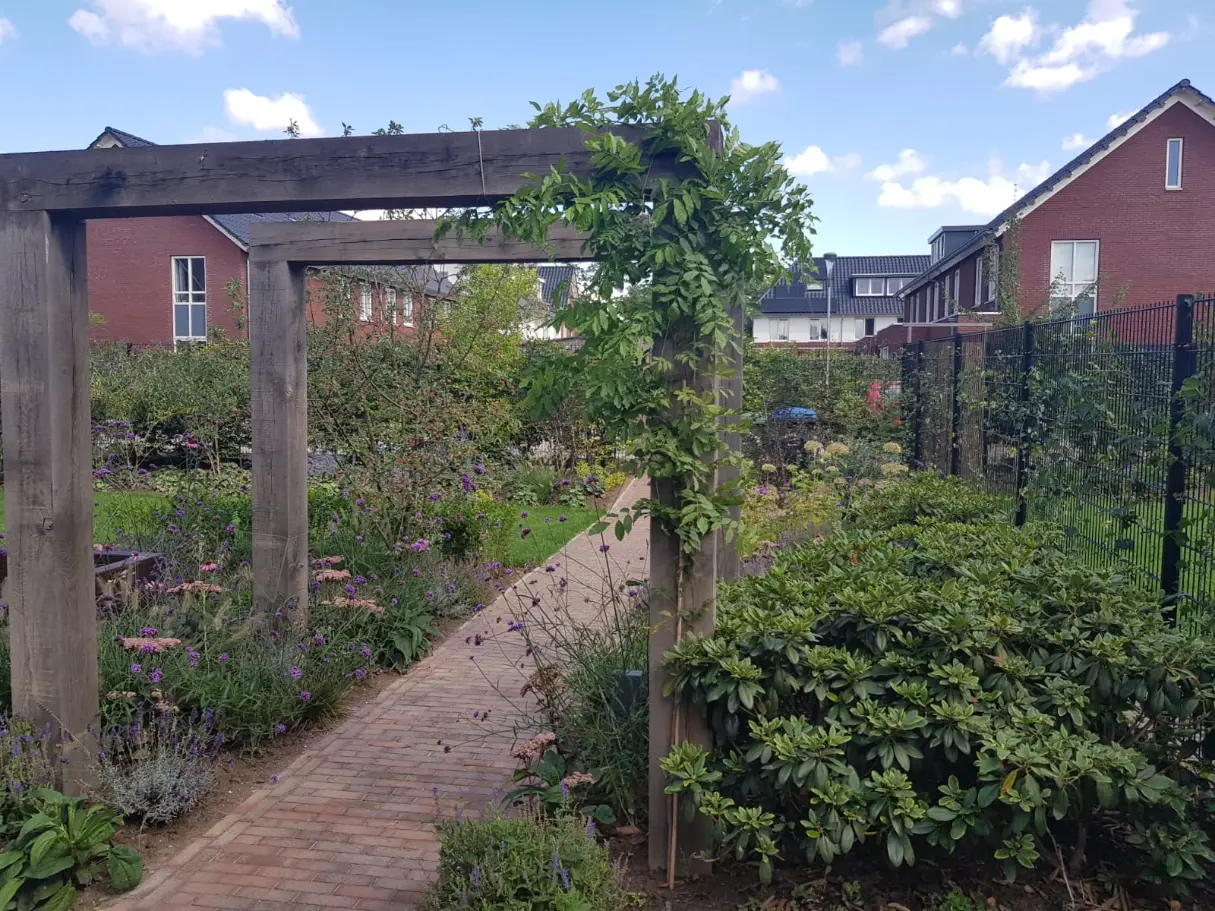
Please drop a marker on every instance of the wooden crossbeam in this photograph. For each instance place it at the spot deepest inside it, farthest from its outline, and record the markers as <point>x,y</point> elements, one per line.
<point>420,170</point>
<point>399,243</point>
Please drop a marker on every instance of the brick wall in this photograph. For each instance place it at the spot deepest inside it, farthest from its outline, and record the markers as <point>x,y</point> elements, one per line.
<point>1155,243</point>
<point>130,274</point>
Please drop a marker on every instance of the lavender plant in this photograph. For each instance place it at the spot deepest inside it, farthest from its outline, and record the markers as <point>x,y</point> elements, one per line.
<point>158,768</point>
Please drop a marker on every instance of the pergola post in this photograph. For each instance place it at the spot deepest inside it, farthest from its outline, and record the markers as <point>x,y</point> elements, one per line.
<point>44,380</point>
<point>690,594</point>
<point>278,343</point>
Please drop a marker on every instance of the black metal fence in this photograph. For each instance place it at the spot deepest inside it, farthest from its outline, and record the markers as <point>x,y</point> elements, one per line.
<point>1104,425</point>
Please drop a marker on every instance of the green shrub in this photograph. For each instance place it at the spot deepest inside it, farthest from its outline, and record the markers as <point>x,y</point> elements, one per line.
<point>922,495</point>
<point>948,688</point>
<point>523,863</point>
<point>26,764</point>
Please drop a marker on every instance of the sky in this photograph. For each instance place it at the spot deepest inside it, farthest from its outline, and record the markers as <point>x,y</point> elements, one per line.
<point>900,115</point>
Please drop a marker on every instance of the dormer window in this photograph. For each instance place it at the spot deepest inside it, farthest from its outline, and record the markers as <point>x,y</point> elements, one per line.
<point>814,288</point>
<point>870,287</point>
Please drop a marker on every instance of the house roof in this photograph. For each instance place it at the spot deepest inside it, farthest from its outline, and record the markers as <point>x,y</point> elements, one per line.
<point>1046,189</point>
<point>235,226</point>
<point>555,284</point>
<point>792,296</point>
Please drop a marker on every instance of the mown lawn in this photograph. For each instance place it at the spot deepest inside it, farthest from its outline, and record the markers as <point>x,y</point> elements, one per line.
<point>546,533</point>
<point>111,511</point>
<point>508,545</point>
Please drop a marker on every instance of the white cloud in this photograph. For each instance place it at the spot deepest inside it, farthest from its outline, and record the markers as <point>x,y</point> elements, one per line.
<point>850,53</point>
<point>959,50</point>
<point>1075,142</point>
<point>7,29</point>
<point>752,84</point>
<point>1083,51</point>
<point>270,114</point>
<point>813,160</point>
<point>1010,35</point>
<point>1118,119</point>
<point>901,20</point>
<point>909,162</point>
<point>971,194</point>
<point>900,33</point>
<point>186,26</point>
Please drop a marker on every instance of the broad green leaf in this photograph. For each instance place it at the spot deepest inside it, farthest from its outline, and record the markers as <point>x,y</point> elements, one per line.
<point>125,868</point>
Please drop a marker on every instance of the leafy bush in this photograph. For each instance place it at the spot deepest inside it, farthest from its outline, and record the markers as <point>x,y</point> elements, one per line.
<point>159,768</point>
<point>63,844</point>
<point>949,688</point>
<point>527,863</point>
<point>923,495</point>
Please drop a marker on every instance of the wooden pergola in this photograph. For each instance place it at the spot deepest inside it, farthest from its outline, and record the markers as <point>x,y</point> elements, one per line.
<point>45,199</point>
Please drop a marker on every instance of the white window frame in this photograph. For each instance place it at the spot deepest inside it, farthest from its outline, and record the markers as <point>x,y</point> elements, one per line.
<point>895,285</point>
<point>188,298</point>
<point>1168,153</point>
<point>390,306</point>
<point>779,330</point>
<point>366,302</point>
<point>1074,288</point>
<point>407,308</point>
<point>955,302</point>
<point>868,285</point>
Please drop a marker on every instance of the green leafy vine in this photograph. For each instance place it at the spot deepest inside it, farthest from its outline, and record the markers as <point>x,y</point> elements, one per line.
<point>675,258</point>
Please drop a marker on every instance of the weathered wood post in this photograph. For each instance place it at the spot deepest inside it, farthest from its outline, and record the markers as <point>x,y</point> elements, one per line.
<point>44,380</point>
<point>278,342</point>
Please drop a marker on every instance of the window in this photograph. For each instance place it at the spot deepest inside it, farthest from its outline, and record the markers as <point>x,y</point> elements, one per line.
<point>895,285</point>
<point>957,291</point>
<point>780,330</point>
<point>1172,165</point>
<point>407,309</point>
<point>813,287</point>
<point>189,298</point>
<point>1073,284</point>
<point>818,329</point>
<point>938,248</point>
<point>869,327</point>
<point>979,288</point>
<point>365,302</point>
<point>390,306</point>
<point>871,287</point>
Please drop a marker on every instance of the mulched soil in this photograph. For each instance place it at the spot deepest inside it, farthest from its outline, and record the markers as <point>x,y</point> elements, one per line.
<point>737,888</point>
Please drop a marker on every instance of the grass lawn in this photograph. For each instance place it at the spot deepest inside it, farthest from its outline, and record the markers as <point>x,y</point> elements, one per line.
<point>111,511</point>
<point>547,536</point>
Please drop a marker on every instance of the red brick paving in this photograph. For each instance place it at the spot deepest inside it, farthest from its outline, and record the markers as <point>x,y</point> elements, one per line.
<point>349,824</point>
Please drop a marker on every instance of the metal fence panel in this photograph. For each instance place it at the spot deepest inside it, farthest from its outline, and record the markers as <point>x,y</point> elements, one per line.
<point>1103,425</point>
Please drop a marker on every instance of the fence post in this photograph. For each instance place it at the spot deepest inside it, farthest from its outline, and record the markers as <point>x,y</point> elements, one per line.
<point>1175,480</point>
<point>955,418</point>
<point>918,414</point>
<point>1024,424</point>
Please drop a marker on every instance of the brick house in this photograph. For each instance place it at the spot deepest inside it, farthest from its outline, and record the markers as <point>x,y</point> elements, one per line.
<point>1124,224</point>
<point>859,300</point>
<point>164,281</point>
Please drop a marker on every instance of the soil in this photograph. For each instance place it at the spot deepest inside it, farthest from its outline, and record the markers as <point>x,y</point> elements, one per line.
<point>856,888</point>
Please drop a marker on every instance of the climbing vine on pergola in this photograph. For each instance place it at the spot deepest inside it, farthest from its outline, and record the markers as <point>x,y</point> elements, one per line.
<point>653,185</point>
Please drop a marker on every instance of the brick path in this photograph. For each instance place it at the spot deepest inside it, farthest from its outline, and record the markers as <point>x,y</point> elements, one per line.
<point>349,824</point>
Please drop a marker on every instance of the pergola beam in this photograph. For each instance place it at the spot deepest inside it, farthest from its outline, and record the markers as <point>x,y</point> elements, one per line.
<point>400,243</point>
<point>414,171</point>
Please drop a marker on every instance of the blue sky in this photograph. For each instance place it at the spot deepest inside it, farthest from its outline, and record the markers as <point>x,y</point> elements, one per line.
<point>901,115</point>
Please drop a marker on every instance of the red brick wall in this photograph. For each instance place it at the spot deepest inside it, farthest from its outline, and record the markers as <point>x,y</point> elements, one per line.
<point>130,274</point>
<point>1155,243</point>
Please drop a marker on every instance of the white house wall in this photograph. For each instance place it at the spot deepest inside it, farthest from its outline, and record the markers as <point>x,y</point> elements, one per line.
<point>843,329</point>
